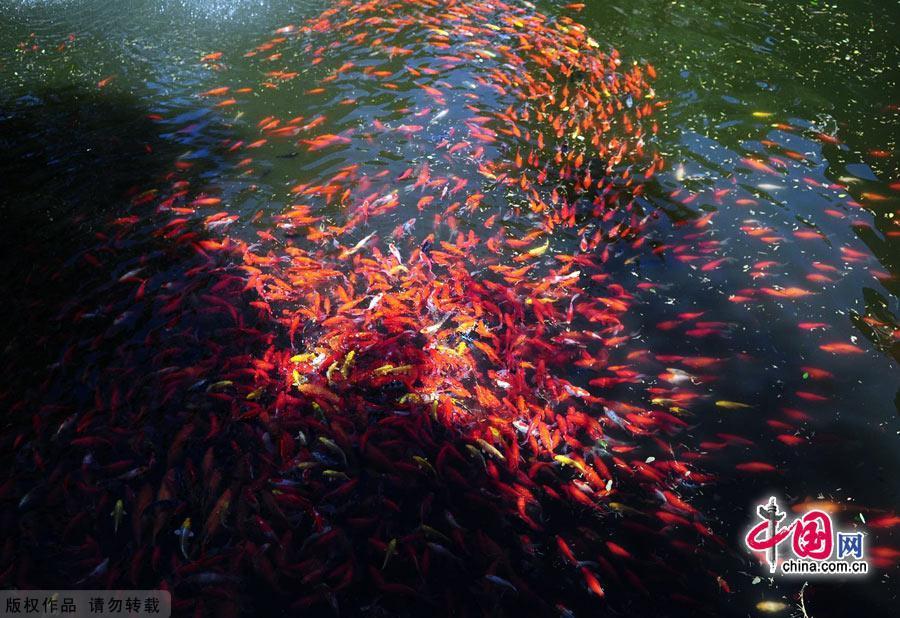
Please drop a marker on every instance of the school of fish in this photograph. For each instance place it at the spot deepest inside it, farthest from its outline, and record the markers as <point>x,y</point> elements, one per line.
<point>357,405</point>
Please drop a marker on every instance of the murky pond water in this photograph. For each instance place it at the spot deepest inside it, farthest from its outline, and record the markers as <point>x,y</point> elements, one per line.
<point>447,307</point>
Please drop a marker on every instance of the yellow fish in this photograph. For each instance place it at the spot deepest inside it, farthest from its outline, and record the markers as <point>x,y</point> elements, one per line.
<point>117,514</point>
<point>771,607</point>
<point>391,549</point>
<point>732,405</point>
<point>489,448</point>
<point>348,362</point>
<point>385,370</point>
<point>539,251</point>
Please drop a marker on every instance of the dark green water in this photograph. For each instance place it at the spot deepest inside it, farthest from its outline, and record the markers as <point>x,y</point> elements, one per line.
<point>732,71</point>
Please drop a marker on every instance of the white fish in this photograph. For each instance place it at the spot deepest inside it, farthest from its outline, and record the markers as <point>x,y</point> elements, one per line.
<point>679,376</point>
<point>501,582</point>
<point>428,330</point>
<point>131,273</point>
<point>396,253</point>
<point>348,252</point>
<point>97,572</point>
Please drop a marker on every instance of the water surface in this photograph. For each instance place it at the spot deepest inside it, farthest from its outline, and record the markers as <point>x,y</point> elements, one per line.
<point>100,99</point>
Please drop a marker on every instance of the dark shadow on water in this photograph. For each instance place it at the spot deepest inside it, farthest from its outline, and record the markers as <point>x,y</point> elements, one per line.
<point>76,330</point>
<point>68,161</point>
<point>70,156</point>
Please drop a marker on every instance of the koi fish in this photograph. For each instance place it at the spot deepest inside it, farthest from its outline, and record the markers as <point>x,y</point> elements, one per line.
<point>117,513</point>
<point>185,533</point>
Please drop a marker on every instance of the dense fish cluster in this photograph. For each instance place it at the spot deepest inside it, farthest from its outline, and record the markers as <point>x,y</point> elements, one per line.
<point>418,390</point>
